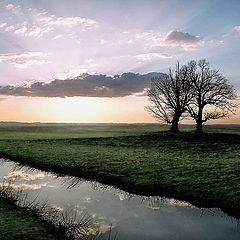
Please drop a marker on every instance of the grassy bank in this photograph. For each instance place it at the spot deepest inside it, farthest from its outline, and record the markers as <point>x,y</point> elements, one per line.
<point>17,223</point>
<point>205,171</point>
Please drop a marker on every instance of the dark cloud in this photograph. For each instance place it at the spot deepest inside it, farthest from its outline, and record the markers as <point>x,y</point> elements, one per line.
<point>86,85</point>
<point>182,37</point>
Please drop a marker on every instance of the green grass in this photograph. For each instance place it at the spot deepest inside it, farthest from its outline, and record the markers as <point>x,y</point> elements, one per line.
<point>17,223</point>
<point>139,158</point>
<point>58,131</point>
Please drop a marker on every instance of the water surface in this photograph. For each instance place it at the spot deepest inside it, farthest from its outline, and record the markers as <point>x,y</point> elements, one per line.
<point>129,216</point>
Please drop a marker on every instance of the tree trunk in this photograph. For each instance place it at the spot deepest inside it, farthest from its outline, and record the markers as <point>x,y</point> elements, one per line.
<point>199,127</point>
<point>174,127</point>
<point>199,122</point>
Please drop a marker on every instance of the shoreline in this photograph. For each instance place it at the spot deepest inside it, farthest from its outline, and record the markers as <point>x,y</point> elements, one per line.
<point>200,202</point>
<point>204,172</point>
<point>21,223</point>
<point>196,196</point>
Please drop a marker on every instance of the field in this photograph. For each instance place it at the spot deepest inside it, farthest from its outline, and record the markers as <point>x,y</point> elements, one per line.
<point>17,223</point>
<point>139,158</point>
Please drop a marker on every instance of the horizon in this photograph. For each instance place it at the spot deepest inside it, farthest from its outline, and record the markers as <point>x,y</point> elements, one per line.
<point>117,123</point>
<point>47,48</point>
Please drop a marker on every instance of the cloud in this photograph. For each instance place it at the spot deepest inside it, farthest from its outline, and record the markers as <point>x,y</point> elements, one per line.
<point>237,29</point>
<point>9,56</point>
<point>44,23</point>
<point>13,8</point>
<point>235,32</point>
<point>36,31</point>
<point>72,21</point>
<point>3,25</point>
<point>33,31</point>
<point>182,38</point>
<point>10,6</point>
<point>29,62</point>
<point>72,72</point>
<point>21,30</point>
<point>39,13</point>
<point>27,29</point>
<point>24,59</point>
<point>215,43</point>
<point>151,56</point>
<point>86,85</point>
<point>57,37</point>
<point>10,28</point>
<point>52,20</point>
<point>172,39</point>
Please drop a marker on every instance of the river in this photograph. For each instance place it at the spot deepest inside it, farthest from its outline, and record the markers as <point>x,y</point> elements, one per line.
<point>104,208</point>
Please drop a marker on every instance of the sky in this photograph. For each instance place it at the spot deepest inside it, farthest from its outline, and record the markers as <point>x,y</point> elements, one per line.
<point>92,60</point>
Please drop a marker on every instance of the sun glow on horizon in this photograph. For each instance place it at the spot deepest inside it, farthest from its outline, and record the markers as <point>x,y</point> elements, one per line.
<point>75,109</point>
<point>42,42</point>
<point>84,110</point>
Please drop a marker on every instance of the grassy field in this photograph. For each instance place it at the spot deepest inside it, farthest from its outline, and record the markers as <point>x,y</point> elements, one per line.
<point>61,131</point>
<point>17,223</point>
<point>138,158</point>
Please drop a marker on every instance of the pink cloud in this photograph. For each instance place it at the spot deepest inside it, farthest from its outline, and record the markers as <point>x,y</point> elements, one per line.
<point>13,8</point>
<point>66,21</point>
<point>73,21</point>
<point>36,31</point>
<point>151,56</point>
<point>25,59</point>
<point>3,25</point>
<point>57,37</point>
<point>10,28</point>
<point>29,62</point>
<point>10,56</point>
<point>21,30</point>
<point>41,13</point>
<point>10,6</point>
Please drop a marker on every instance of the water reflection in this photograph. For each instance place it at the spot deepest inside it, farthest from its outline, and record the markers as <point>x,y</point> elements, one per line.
<point>23,186</point>
<point>21,175</point>
<point>89,208</point>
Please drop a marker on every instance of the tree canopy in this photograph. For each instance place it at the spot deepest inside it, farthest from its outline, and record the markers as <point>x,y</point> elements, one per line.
<point>192,90</point>
<point>170,96</point>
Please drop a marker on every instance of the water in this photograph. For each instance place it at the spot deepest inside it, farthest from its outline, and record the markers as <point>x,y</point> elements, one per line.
<point>128,216</point>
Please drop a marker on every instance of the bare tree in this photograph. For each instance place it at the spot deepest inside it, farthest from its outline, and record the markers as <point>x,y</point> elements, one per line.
<point>211,89</point>
<point>170,96</point>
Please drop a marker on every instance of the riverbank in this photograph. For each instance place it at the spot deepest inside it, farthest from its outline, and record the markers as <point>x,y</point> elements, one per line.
<point>18,223</point>
<point>204,171</point>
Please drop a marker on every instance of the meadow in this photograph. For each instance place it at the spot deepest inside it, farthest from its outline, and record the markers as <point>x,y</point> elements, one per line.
<point>138,155</point>
<point>139,158</point>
